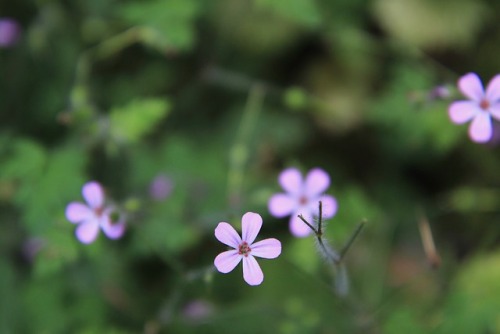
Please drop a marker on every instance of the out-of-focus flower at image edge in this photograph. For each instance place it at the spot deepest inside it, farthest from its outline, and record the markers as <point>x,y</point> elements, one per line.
<point>245,249</point>
<point>9,32</point>
<point>480,107</point>
<point>94,215</point>
<point>302,197</point>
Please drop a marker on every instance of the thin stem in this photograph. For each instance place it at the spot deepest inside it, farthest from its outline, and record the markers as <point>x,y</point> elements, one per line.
<point>320,218</point>
<point>239,152</point>
<point>351,240</point>
<point>307,223</point>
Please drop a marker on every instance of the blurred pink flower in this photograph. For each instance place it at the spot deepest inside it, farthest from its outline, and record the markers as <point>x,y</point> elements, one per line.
<point>161,187</point>
<point>480,107</point>
<point>244,248</point>
<point>93,215</point>
<point>9,32</point>
<point>302,197</point>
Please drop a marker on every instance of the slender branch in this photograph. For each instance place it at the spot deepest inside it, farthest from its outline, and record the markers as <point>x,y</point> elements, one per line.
<point>351,240</point>
<point>239,152</point>
<point>307,223</point>
<point>320,218</point>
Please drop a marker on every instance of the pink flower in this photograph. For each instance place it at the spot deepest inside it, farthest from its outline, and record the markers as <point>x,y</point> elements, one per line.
<point>161,187</point>
<point>302,197</point>
<point>479,109</point>
<point>94,215</point>
<point>245,249</point>
<point>9,32</point>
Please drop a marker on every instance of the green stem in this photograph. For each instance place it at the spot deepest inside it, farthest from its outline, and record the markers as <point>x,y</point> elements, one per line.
<point>351,240</point>
<point>239,152</point>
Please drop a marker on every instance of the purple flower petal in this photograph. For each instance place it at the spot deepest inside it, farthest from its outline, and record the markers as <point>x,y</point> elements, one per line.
<point>495,111</point>
<point>329,206</point>
<point>112,230</point>
<point>77,212</point>
<point>298,228</point>
<point>470,85</point>
<point>87,231</point>
<point>226,234</point>
<point>267,248</point>
<point>291,180</point>
<point>281,205</point>
<point>317,181</point>
<point>251,271</point>
<point>480,129</point>
<point>463,111</point>
<point>227,261</point>
<point>251,224</point>
<point>493,89</point>
<point>93,194</point>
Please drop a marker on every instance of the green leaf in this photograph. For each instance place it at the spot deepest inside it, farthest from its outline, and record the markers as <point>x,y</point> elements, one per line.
<point>130,123</point>
<point>427,23</point>
<point>473,303</point>
<point>303,12</point>
<point>26,161</point>
<point>173,19</point>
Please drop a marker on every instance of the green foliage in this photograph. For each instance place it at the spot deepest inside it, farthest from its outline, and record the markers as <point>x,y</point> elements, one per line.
<point>87,93</point>
<point>421,22</point>
<point>45,181</point>
<point>174,19</point>
<point>409,130</point>
<point>301,11</point>
<point>472,305</point>
<point>128,124</point>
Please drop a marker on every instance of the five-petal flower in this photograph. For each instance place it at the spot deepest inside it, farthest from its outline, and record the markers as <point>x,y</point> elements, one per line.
<point>480,107</point>
<point>93,215</point>
<point>244,248</point>
<point>302,197</point>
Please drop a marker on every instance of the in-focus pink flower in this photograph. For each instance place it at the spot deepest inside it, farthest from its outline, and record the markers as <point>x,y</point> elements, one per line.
<point>480,107</point>
<point>244,248</point>
<point>302,197</point>
<point>93,215</point>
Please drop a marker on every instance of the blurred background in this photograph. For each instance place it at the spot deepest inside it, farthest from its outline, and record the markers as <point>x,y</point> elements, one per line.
<point>186,111</point>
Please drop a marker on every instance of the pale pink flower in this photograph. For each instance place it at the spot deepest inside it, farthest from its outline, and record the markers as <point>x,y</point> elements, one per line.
<point>93,215</point>
<point>480,107</point>
<point>161,187</point>
<point>9,32</point>
<point>302,197</point>
<point>244,248</point>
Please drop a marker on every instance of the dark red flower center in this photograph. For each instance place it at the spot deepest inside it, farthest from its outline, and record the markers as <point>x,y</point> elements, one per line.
<point>244,249</point>
<point>99,211</point>
<point>303,200</point>
<point>484,104</point>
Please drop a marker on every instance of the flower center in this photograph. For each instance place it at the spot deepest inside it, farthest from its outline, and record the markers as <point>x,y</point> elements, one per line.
<point>303,200</point>
<point>244,249</point>
<point>484,104</point>
<point>99,211</point>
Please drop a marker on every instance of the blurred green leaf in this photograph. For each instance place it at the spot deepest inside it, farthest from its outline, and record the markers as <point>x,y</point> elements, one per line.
<point>406,128</point>
<point>130,123</point>
<point>428,23</point>
<point>46,181</point>
<point>473,304</point>
<point>59,248</point>
<point>174,19</point>
<point>402,320</point>
<point>301,11</point>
